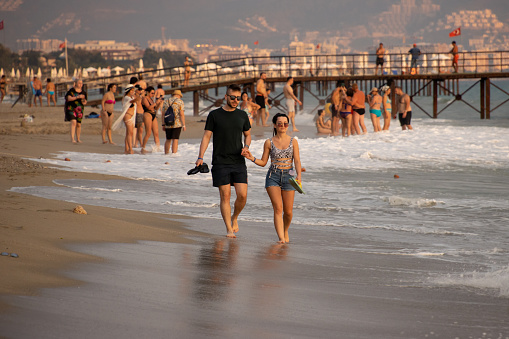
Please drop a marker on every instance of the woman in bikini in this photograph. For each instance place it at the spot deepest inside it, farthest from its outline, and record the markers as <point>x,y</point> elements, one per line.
<point>375,104</point>
<point>150,106</point>
<point>248,106</point>
<point>107,105</point>
<point>284,153</point>
<point>387,111</point>
<point>50,92</point>
<point>345,112</point>
<point>128,117</point>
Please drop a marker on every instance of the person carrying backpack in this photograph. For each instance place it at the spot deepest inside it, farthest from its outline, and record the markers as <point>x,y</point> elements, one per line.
<point>173,121</point>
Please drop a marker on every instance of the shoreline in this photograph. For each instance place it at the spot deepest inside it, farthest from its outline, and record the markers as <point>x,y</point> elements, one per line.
<point>38,230</point>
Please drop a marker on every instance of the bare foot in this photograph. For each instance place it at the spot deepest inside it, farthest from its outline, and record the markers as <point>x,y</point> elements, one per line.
<point>105,142</point>
<point>74,141</point>
<point>235,226</point>
<point>287,238</point>
<point>143,151</point>
<point>281,242</point>
<point>230,235</point>
<point>111,142</point>
<point>296,130</point>
<point>79,141</point>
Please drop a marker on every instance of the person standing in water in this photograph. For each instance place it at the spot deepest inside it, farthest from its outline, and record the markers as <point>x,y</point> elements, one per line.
<point>404,109</point>
<point>291,99</point>
<point>228,124</point>
<point>284,153</point>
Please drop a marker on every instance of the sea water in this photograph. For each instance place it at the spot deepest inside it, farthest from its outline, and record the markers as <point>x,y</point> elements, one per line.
<point>439,191</point>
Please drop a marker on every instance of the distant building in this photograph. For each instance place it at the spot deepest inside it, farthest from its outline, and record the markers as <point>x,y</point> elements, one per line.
<point>111,50</point>
<point>44,46</point>
<point>169,45</point>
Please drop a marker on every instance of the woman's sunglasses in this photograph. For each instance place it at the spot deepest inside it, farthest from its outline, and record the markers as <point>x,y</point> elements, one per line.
<point>281,124</point>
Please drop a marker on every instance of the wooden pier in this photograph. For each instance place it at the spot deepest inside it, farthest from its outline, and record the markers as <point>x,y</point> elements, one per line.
<point>319,75</point>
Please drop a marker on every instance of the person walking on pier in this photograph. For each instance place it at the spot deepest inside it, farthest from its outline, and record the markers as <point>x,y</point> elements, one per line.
<point>404,109</point>
<point>187,65</point>
<point>359,109</point>
<point>261,96</point>
<point>380,54</point>
<point>416,52</point>
<point>290,101</point>
<point>228,124</point>
<point>455,56</point>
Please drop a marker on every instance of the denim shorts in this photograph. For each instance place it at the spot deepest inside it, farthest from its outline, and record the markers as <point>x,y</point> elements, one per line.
<point>279,178</point>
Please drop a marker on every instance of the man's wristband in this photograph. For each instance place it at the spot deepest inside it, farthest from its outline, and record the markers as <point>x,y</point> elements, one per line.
<point>246,146</point>
<point>200,158</point>
<point>254,159</point>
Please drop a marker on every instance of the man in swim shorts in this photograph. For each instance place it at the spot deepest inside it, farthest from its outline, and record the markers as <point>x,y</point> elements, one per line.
<point>455,56</point>
<point>404,109</point>
<point>380,53</point>
<point>359,109</point>
<point>228,124</point>
<point>261,96</point>
<point>290,101</point>
<point>37,84</point>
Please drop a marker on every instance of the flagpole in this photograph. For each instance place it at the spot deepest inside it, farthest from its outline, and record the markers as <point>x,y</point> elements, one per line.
<point>66,62</point>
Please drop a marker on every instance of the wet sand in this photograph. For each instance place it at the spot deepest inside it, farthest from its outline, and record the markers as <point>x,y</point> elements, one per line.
<point>125,274</point>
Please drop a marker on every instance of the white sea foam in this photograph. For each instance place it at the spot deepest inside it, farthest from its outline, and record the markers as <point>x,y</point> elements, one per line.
<point>496,280</point>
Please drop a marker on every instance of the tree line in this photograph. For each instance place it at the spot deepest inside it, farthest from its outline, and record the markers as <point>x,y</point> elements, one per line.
<point>78,58</point>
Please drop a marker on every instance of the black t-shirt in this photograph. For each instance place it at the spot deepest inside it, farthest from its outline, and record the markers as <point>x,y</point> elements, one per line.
<point>228,129</point>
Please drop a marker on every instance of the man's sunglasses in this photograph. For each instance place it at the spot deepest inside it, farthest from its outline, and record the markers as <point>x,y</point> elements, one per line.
<point>233,97</point>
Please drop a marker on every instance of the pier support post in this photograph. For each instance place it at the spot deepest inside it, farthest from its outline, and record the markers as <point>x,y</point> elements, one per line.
<point>435,99</point>
<point>488,99</point>
<point>196,103</point>
<point>483,98</point>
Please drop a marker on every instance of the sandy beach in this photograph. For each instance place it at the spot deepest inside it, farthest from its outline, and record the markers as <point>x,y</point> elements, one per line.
<point>36,229</point>
<point>116,273</point>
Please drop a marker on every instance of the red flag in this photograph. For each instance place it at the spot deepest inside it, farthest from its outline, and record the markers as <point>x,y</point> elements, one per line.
<point>456,32</point>
<point>318,46</point>
<point>62,45</point>
<point>1,25</point>
<point>256,42</point>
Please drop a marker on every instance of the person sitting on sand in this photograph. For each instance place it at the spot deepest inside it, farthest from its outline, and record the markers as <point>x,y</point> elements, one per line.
<point>322,127</point>
<point>284,152</point>
<point>107,104</point>
<point>50,92</point>
<point>75,101</point>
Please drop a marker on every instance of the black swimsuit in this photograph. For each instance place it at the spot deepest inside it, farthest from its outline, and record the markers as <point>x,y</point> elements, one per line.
<point>146,109</point>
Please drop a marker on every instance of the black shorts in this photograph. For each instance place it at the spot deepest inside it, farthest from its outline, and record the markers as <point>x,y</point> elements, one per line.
<point>139,120</point>
<point>260,100</point>
<point>407,119</point>
<point>173,133</point>
<point>359,111</point>
<point>334,112</point>
<point>229,174</point>
<point>379,61</point>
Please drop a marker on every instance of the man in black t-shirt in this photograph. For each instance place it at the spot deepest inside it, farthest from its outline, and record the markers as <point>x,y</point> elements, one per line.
<point>228,124</point>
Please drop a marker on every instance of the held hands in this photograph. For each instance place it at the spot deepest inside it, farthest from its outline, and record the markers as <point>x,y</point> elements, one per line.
<point>247,154</point>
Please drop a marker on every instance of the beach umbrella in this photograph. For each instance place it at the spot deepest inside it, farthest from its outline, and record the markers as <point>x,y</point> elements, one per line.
<point>388,63</point>
<point>31,74</point>
<point>118,69</point>
<point>18,74</point>
<point>141,65</point>
<point>227,70</point>
<point>27,73</point>
<point>99,72</point>
<point>75,74</point>
<point>294,66</point>
<point>39,73</point>
<point>60,73</point>
<point>344,62</point>
<point>84,73</point>
<point>13,73</point>
<point>273,67</point>
<point>91,69</point>
<point>403,62</point>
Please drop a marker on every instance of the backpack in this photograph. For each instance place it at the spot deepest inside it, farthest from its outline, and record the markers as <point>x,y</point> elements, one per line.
<point>169,115</point>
